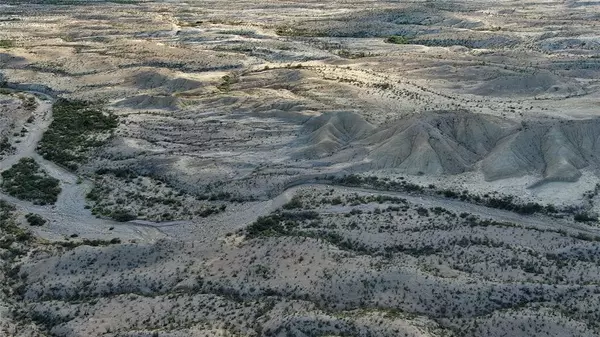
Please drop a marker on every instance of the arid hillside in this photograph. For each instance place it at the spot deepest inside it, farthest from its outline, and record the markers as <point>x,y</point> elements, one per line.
<point>299,168</point>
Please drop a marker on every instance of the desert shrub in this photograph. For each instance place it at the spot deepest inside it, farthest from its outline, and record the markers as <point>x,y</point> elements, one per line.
<point>529,208</point>
<point>122,215</point>
<point>240,32</point>
<point>7,43</point>
<point>123,173</point>
<point>422,211</point>
<point>5,146</point>
<point>6,211</point>
<point>491,43</point>
<point>300,216</point>
<point>35,220</point>
<point>88,242</point>
<point>26,180</point>
<point>449,194</point>
<point>586,237</point>
<point>584,217</point>
<point>293,204</point>
<point>29,103</point>
<point>352,55</point>
<point>397,39</point>
<point>265,226</point>
<point>211,210</point>
<point>500,202</point>
<point>95,194</point>
<point>281,223</point>
<point>298,32</point>
<point>355,211</point>
<point>439,210</point>
<point>336,201</point>
<point>9,231</point>
<point>227,81</point>
<point>74,132</point>
<point>350,180</point>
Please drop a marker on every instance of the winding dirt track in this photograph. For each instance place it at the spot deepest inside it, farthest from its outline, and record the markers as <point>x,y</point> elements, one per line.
<point>68,216</point>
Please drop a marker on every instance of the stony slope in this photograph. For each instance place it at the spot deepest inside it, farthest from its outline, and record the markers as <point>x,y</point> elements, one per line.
<point>457,142</point>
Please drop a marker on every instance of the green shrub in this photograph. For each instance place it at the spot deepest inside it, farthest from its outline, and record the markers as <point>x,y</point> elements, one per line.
<point>298,32</point>
<point>211,210</point>
<point>74,132</point>
<point>7,43</point>
<point>27,181</point>
<point>584,217</point>
<point>122,215</point>
<point>88,242</point>
<point>227,81</point>
<point>240,32</point>
<point>397,39</point>
<point>5,146</point>
<point>295,203</point>
<point>9,231</point>
<point>279,223</point>
<point>6,211</point>
<point>35,220</point>
<point>422,211</point>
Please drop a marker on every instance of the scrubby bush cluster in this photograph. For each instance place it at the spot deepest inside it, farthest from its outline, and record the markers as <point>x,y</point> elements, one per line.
<point>396,39</point>
<point>9,231</point>
<point>78,126</point>
<point>375,182</point>
<point>585,217</point>
<point>227,81</point>
<point>7,43</point>
<point>87,242</point>
<point>35,219</point>
<point>26,180</point>
<point>280,223</point>
<point>5,146</point>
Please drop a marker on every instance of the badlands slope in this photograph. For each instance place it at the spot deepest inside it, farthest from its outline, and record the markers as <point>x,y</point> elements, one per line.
<point>299,168</point>
<point>455,142</point>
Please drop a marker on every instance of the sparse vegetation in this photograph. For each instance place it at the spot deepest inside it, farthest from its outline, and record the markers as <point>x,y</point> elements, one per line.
<point>227,81</point>
<point>123,195</point>
<point>418,241</point>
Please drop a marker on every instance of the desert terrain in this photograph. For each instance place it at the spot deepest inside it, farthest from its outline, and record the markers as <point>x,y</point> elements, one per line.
<point>299,168</point>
